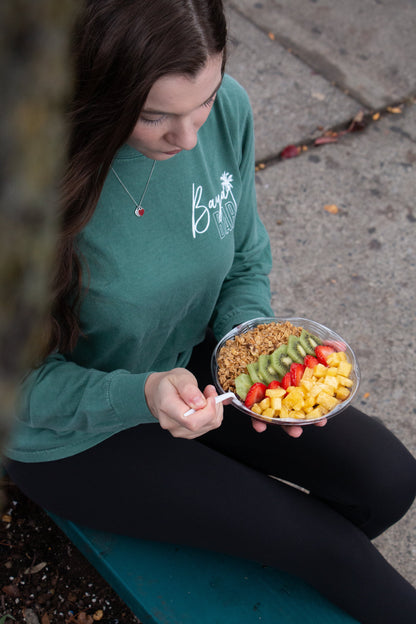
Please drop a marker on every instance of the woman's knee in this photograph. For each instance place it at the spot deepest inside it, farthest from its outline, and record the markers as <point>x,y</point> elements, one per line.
<point>389,490</point>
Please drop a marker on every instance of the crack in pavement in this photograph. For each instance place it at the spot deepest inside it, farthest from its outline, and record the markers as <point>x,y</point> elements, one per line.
<point>363,120</point>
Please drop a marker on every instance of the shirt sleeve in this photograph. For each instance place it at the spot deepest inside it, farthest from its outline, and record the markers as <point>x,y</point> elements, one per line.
<point>245,293</point>
<point>63,397</point>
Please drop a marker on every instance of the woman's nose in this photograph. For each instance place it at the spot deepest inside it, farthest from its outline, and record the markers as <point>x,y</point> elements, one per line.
<point>184,135</point>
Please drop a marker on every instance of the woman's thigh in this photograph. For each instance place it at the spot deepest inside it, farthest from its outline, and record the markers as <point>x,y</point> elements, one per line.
<point>354,463</point>
<point>145,483</point>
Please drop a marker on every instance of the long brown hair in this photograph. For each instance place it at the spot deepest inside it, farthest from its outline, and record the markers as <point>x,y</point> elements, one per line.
<point>121,47</point>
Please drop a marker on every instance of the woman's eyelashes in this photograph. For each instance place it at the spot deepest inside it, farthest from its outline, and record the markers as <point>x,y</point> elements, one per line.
<point>209,102</point>
<point>153,122</point>
<point>158,120</point>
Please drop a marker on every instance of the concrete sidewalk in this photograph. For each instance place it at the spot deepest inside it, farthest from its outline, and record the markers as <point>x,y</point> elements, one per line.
<point>310,67</point>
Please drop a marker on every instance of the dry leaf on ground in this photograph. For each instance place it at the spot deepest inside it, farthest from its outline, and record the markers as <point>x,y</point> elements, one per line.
<point>332,208</point>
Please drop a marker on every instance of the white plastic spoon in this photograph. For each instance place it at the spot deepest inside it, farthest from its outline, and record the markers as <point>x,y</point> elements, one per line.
<point>218,399</point>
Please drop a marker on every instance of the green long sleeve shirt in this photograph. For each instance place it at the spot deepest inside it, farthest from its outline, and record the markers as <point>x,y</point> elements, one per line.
<point>198,257</point>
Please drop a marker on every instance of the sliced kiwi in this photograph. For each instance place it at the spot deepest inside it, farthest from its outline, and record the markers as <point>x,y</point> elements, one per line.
<point>295,349</point>
<point>281,361</point>
<point>253,371</point>
<point>266,371</point>
<point>309,342</point>
<point>243,384</point>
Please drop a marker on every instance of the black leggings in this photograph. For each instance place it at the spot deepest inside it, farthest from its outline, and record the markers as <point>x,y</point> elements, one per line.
<point>216,492</point>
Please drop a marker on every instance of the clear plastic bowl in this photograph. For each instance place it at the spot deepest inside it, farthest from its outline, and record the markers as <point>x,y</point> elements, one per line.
<point>325,334</point>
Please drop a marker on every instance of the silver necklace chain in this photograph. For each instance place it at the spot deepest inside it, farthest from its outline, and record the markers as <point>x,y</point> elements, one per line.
<point>139,210</point>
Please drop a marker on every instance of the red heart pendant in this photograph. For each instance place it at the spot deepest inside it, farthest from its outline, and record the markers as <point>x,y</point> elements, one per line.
<point>139,212</point>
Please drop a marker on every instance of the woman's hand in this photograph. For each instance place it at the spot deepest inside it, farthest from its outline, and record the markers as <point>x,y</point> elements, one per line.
<point>169,395</point>
<point>294,431</point>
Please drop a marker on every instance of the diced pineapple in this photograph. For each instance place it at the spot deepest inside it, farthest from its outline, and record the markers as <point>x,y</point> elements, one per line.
<point>319,370</point>
<point>326,387</point>
<point>265,403</point>
<point>256,408</point>
<point>327,401</point>
<point>345,369</point>
<point>332,382</point>
<point>316,413</point>
<point>342,393</point>
<point>307,374</point>
<point>294,399</point>
<point>306,384</point>
<point>309,402</point>
<point>275,392</point>
<point>299,414</point>
<point>320,387</point>
<point>345,381</point>
<point>284,412</point>
<point>269,412</point>
<point>315,390</point>
<point>333,359</point>
<point>331,371</point>
<point>276,403</point>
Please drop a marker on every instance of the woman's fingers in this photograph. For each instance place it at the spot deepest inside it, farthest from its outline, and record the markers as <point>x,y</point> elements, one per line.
<point>258,425</point>
<point>171,394</point>
<point>294,431</point>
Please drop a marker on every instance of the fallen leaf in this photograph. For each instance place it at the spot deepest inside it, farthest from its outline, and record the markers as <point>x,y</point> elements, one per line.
<point>6,518</point>
<point>36,568</point>
<point>11,590</point>
<point>271,36</point>
<point>376,116</point>
<point>83,618</point>
<point>359,117</point>
<point>332,208</point>
<point>290,151</point>
<point>98,615</point>
<point>366,395</point>
<point>325,139</point>
<point>357,124</point>
<point>396,110</point>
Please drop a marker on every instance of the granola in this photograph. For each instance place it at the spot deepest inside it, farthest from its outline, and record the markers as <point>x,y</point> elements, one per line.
<point>237,352</point>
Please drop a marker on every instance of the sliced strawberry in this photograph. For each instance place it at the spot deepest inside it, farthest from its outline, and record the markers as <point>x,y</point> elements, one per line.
<point>273,384</point>
<point>296,372</point>
<point>322,352</point>
<point>309,361</point>
<point>338,345</point>
<point>286,382</point>
<point>255,394</point>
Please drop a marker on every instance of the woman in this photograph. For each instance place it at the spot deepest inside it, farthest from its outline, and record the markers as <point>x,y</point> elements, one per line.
<point>161,253</point>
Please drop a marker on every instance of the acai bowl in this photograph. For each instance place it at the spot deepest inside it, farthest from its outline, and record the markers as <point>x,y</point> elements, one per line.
<point>286,370</point>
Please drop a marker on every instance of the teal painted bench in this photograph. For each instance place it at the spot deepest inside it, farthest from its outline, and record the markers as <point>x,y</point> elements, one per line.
<point>168,584</point>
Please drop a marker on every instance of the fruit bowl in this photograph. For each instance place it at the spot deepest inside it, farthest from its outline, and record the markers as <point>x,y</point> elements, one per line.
<point>326,337</point>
